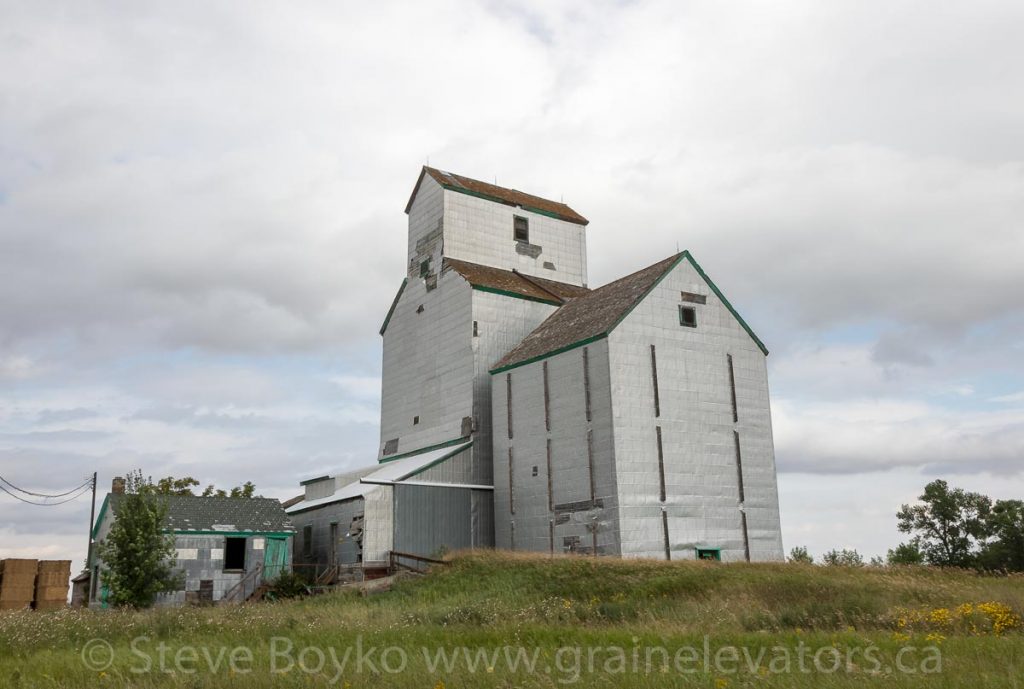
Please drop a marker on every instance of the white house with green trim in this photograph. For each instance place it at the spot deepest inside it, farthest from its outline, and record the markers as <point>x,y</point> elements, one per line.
<point>218,542</point>
<point>496,290</point>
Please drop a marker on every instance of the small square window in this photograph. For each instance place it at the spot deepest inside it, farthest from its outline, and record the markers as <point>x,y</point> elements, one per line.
<point>688,316</point>
<point>521,227</point>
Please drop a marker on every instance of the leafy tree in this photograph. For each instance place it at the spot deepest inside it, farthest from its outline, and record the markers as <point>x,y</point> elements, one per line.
<point>137,554</point>
<point>246,490</point>
<point>843,558</point>
<point>877,561</point>
<point>948,525</point>
<point>799,554</point>
<point>906,554</point>
<point>1005,525</point>
<point>183,486</point>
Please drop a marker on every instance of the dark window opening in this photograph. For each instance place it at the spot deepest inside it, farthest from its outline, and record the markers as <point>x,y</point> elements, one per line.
<point>536,471</point>
<point>688,316</point>
<point>424,268</point>
<point>419,309</point>
<point>549,265</point>
<point>415,420</point>
<point>234,553</point>
<point>307,540</point>
<point>391,447</point>
<point>521,227</point>
<point>476,329</point>
<point>709,554</point>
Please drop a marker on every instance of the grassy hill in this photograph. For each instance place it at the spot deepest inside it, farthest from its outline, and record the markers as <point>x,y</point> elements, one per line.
<point>504,620</point>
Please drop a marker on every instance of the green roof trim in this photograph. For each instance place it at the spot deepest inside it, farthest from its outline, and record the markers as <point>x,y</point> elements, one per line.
<point>428,448</point>
<point>506,293</point>
<point>394,305</point>
<point>437,461</point>
<point>554,352</point>
<point>700,271</point>
<point>728,305</point>
<point>99,519</point>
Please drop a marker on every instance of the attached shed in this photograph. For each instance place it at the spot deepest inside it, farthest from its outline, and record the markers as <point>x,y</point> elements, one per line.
<point>415,503</point>
<point>218,543</point>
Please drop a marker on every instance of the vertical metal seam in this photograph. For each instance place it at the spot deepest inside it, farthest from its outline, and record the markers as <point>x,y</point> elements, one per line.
<point>664,528</point>
<point>654,378</point>
<point>551,492</point>
<point>746,536</point>
<point>547,399</point>
<point>739,464</point>
<point>511,485</point>
<point>732,388</point>
<point>508,396</point>
<point>661,463</point>
<point>590,465</point>
<point>586,380</point>
<point>551,535</point>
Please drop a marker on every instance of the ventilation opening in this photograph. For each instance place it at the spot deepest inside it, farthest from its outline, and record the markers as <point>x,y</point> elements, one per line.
<point>234,553</point>
<point>709,554</point>
<point>521,228</point>
<point>688,316</point>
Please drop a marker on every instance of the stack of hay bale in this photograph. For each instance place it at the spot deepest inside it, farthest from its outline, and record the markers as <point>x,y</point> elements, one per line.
<point>52,584</point>
<point>17,583</point>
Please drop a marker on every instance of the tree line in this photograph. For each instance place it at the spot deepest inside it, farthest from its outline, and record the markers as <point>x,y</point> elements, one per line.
<point>949,527</point>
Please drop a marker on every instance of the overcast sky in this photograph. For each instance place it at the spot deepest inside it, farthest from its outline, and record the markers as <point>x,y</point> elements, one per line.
<point>201,224</point>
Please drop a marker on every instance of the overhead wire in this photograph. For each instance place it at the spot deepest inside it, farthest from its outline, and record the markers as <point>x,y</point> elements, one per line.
<point>68,496</point>
<point>88,481</point>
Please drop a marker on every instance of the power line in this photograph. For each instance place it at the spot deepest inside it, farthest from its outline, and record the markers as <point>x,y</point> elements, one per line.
<point>43,494</point>
<point>82,490</point>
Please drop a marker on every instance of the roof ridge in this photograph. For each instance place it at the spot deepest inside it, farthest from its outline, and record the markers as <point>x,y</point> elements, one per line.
<point>538,285</point>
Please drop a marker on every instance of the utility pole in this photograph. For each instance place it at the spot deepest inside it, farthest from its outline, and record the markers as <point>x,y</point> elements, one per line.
<point>92,517</point>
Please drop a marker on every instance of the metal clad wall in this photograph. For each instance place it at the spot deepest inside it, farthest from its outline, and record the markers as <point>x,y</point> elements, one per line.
<point>320,519</point>
<point>428,365</point>
<point>429,517</point>
<point>480,231</point>
<point>378,532</point>
<point>702,501</point>
<point>502,323</point>
<point>575,517</point>
<point>457,469</point>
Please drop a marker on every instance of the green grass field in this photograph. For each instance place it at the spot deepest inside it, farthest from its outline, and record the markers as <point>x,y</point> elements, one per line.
<point>502,620</point>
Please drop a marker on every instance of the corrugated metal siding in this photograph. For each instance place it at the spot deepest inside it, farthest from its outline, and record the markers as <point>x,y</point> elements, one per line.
<point>429,518</point>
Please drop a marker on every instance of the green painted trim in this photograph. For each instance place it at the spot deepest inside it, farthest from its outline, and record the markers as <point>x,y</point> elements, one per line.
<point>234,534</point>
<point>505,293</point>
<point>700,271</point>
<point>643,296</point>
<point>99,519</point>
<point>505,202</point>
<point>436,462</point>
<point>429,448</point>
<point>550,354</point>
<point>733,311</point>
<point>394,305</point>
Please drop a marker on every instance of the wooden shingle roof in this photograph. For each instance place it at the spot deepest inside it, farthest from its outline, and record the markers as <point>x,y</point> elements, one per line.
<point>492,192</point>
<point>514,283</point>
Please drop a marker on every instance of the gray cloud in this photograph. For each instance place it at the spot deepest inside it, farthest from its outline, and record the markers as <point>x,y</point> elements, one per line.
<point>201,226</point>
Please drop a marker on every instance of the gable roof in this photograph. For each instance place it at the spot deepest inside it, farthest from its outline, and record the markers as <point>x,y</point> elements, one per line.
<point>492,192</point>
<point>513,283</point>
<point>594,315</point>
<point>191,514</point>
